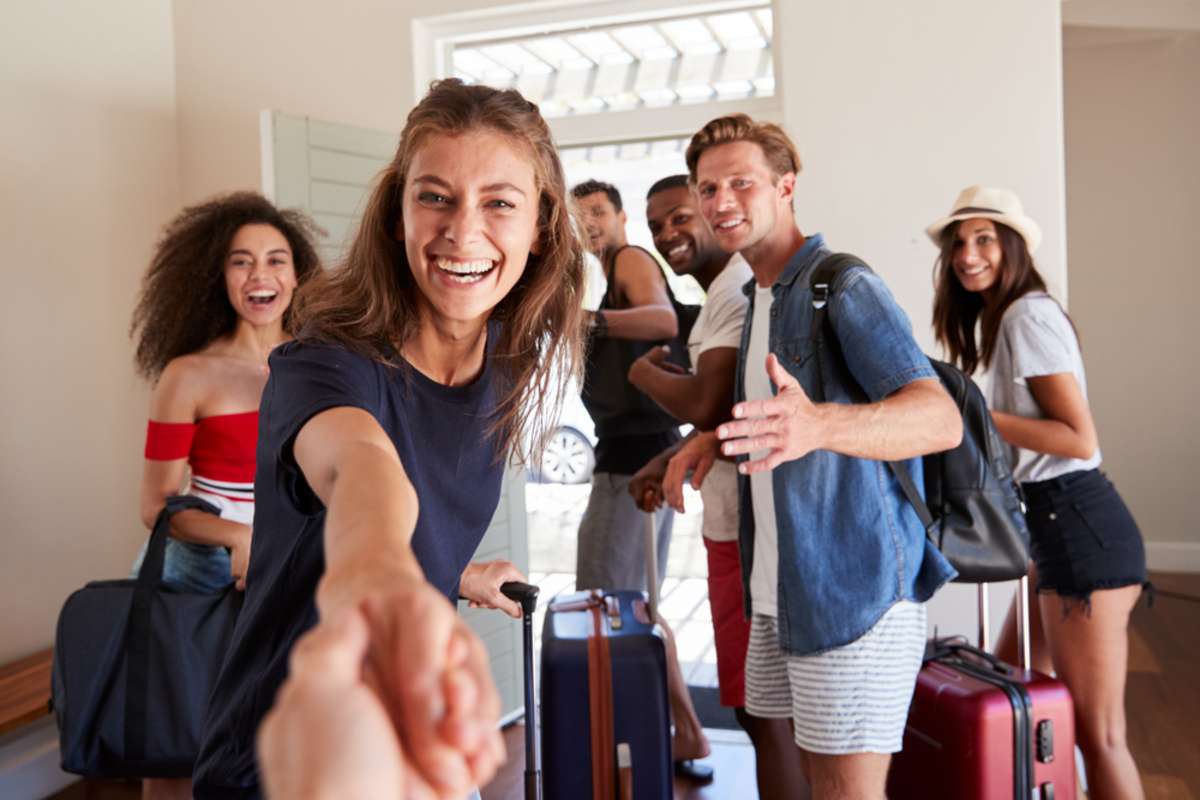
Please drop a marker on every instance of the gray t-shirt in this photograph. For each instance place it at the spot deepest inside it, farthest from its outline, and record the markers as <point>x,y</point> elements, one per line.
<point>1035,338</point>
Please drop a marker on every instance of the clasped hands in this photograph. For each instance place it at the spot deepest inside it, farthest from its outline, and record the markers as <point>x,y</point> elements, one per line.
<point>389,695</point>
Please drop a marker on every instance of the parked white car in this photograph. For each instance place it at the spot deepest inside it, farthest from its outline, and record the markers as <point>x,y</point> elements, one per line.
<point>570,454</point>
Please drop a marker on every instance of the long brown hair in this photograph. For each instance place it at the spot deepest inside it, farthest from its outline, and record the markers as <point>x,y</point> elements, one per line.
<point>369,303</point>
<point>184,305</point>
<point>956,310</point>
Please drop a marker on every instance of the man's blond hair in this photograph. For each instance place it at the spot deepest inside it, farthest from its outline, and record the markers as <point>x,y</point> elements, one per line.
<point>777,148</point>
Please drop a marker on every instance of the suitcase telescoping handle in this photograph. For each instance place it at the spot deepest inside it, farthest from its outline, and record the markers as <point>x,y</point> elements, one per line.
<point>1022,621</point>
<point>651,567</point>
<point>526,595</point>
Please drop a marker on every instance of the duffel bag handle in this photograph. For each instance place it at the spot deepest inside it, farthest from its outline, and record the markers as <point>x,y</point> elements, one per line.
<point>137,642</point>
<point>156,550</point>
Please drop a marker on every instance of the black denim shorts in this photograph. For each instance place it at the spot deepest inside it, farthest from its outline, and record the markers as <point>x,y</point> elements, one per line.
<point>1083,536</point>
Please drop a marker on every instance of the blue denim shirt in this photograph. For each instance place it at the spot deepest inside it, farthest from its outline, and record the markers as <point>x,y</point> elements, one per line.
<point>850,544</point>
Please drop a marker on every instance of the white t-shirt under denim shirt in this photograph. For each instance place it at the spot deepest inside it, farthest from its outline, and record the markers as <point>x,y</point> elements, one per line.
<point>720,325</point>
<point>1035,338</point>
<point>764,572</point>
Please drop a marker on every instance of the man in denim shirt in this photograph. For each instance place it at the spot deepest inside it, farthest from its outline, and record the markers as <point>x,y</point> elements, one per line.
<point>835,561</point>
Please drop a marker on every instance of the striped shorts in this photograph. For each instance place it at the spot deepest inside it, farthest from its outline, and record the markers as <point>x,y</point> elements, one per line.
<point>853,699</point>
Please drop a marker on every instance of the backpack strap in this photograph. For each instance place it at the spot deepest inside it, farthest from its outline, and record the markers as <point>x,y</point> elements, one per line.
<point>822,283</point>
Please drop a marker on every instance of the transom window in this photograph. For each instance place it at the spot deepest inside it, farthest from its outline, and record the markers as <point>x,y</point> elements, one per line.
<point>673,58</point>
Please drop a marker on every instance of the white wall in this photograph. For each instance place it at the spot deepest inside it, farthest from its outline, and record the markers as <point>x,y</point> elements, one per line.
<point>1132,113</point>
<point>87,178</point>
<point>895,107</point>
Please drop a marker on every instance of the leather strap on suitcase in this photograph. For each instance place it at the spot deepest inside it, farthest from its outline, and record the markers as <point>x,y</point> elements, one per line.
<point>600,706</point>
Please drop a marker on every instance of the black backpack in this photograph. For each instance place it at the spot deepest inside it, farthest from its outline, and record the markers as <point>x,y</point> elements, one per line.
<point>972,509</point>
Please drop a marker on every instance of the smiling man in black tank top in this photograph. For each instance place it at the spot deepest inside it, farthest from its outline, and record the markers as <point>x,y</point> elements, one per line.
<point>635,314</point>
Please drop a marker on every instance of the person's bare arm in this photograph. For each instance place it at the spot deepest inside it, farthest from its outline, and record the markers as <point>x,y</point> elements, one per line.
<point>417,638</point>
<point>702,398</point>
<point>696,457</point>
<point>650,316</point>
<point>1068,430</point>
<point>917,419</point>
<point>174,399</point>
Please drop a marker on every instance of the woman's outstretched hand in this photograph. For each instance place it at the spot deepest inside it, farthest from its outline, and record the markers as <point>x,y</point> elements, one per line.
<point>431,674</point>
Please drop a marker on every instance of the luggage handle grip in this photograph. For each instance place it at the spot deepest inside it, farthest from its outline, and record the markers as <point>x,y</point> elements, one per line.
<point>524,594</point>
<point>959,648</point>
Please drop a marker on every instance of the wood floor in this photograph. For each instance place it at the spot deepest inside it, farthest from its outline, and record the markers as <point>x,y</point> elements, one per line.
<point>1162,698</point>
<point>1163,703</point>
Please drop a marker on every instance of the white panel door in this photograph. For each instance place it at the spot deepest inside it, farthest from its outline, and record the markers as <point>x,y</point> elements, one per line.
<point>327,170</point>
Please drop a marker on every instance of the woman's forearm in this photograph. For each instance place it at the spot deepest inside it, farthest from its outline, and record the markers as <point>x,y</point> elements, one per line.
<point>201,527</point>
<point>372,512</point>
<point>1044,436</point>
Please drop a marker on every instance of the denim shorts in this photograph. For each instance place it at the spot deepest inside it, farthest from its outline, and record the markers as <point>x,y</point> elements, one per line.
<point>200,568</point>
<point>1084,538</point>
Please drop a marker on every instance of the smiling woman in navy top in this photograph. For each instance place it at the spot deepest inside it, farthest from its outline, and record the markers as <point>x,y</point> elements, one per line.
<point>420,364</point>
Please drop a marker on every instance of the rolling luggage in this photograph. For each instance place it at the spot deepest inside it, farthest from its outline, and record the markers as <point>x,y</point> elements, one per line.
<point>982,729</point>
<point>606,725</point>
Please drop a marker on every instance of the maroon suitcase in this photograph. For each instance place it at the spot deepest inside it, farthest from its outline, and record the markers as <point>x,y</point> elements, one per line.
<point>981,729</point>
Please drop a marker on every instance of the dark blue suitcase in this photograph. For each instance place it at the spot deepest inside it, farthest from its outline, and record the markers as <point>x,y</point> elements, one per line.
<point>633,745</point>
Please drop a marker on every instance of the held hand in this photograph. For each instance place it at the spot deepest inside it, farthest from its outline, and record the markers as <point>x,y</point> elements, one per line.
<point>328,735</point>
<point>788,425</point>
<point>646,484</point>
<point>239,558</point>
<point>697,456</point>
<point>430,672</point>
<point>480,585</point>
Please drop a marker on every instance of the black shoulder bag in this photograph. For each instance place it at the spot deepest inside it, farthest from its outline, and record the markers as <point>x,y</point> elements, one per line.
<point>134,663</point>
<point>972,509</point>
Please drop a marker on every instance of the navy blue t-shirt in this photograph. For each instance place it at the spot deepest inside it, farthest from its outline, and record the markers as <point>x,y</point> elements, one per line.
<point>440,433</point>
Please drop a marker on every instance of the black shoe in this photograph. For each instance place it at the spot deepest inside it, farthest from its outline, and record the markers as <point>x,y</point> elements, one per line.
<point>693,771</point>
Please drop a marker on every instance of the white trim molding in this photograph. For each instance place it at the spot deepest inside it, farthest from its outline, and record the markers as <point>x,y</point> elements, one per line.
<point>1173,556</point>
<point>29,762</point>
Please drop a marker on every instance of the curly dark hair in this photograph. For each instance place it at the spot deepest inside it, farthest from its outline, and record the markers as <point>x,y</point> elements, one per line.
<point>183,304</point>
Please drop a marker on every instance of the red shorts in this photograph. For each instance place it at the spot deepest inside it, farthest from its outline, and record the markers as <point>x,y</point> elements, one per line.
<point>731,629</point>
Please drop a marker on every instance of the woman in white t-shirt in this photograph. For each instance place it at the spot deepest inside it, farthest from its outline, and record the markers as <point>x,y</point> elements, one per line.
<point>1090,564</point>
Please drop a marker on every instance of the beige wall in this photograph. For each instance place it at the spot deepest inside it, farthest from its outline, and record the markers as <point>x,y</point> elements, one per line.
<point>1132,210</point>
<point>88,176</point>
<point>347,62</point>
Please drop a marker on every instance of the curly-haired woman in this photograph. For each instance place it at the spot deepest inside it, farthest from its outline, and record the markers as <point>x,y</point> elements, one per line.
<point>214,303</point>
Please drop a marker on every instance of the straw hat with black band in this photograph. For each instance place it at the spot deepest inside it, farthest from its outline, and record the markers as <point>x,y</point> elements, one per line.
<point>984,202</point>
